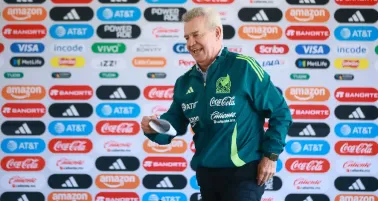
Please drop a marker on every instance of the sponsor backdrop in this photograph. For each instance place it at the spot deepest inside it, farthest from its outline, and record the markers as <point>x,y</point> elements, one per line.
<point>78,75</point>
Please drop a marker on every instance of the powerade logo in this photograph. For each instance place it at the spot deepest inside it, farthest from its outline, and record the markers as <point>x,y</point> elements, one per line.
<point>27,47</point>
<point>193,183</point>
<point>118,110</point>
<point>71,31</point>
<point>70,128</point>
<point>356,33</point>
<point>165,1</point>
<point>180,48</point>
<point>119,14</point>
<point>23,146</point>
<point>312,49</point>
<point>307,147</point>
<point>356,130</point>
<point>157,196</point>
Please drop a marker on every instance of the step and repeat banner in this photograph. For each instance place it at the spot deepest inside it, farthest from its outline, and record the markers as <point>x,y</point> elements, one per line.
<point>77,76</point>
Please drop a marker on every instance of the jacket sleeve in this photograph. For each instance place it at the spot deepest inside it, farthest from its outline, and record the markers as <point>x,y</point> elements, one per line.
<point>268,102</point>
<point>175,116</point>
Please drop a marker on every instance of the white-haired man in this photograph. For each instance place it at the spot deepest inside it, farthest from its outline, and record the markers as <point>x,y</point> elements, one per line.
<point>225,98</point>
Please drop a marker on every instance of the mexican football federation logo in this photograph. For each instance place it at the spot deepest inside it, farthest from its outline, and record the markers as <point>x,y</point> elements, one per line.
<point>223,85</point>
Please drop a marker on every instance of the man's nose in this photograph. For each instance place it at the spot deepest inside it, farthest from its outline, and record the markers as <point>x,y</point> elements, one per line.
<point>190,42</point>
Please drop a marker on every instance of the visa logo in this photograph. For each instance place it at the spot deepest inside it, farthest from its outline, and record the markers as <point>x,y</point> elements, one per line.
<point>356,130</point>
<point>311,49</point>
<point>70,128</point>
<point>307,147</point>
<point>356,33</point>
<point>23,145</point>
<point>119,13</point>
<point>180,48</point>
<point>71,31</point>
<point>193,183</point>
<point>27,48</point>
<point>160,196</point>
<point>118,110</point>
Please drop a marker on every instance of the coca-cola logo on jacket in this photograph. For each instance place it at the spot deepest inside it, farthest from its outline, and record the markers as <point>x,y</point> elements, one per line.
<point>356,148</point>
<point>22,163</point>
<point>158,92</point>
<point>117,127</point>
<point>307,165</point>
<point>64,145</point>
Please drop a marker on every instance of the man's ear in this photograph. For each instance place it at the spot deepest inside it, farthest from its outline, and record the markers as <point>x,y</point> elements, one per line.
<point>218,33</point>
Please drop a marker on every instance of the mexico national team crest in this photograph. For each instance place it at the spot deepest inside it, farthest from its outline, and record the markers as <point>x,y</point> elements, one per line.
<point>223,85</point>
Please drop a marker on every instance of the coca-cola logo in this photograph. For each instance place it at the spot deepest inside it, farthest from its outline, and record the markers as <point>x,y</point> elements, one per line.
<point>21,163</point>
<point>313,165</point>
<point>222,102</point>
<point>70,145</point>
<point>117,127</point>
<point>159,92</point>
<point>362,148</point>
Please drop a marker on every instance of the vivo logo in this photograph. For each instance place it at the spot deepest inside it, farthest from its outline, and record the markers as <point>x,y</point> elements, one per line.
<point>312,49</point>
<point>356,130</point>
<point>118,110</point>
<point>23,145</point>
<point>307,147</point>
<point>171,196</point>
<point>180,48</point>
<point>27,47</point>
<point>70,128</point>
<point>119,13</point>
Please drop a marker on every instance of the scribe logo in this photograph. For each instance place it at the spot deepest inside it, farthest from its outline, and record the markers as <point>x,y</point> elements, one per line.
<point>307,197</point>
<point>105,196</point>
<point>24,13</point>
<point>164,14</point>
<point>27,48</point>
<point>356,112</point>
<point>309,111</point>
<point>158,92</point>
<point>69,196</point>
<point>316,94</point>
<point>356,130</point>
<point>307,147</point>
<point>312,49</point>
<point>356,148</point>
<point>24,31</point>
<point>356,94</point>
<point>307,63</point>
<point>118,128</point>
<point>70,128</point>
<point>342,197</point>
<point>113,92</point>
<point>356,33</point>
<point>23,92</point>
<point>70,110</point>
<point>23,163</point>
<point>71,92</point>
<point>119,13</point>
<point>154,181</point>
<point>109,48</point>
<point>356,183</point>
<point>356,165</point>
<point>117,181</point>
<point>21,196</point>
<point>23,181</point>
<point>118,110</point>
<point>271,49</point>
<point>169,164</point>
<point>260,14</point>
<point>307,15</point>
<point>24,1</point>
<point>228,32</point>
<point>117,163</point>
<point>308,2</point>
<point>71,31</point>
<point>20,62</point>
<point>23,110</point>
<point>177,146</point>
<point>309,130</point>
<point>351,63</point>
<point>23,145</point>
<point>360,15</point>
<point>70,181</point>
<point>307,165</point>
<point>260,32</point>
<point>23,128</point>
<point>71,14</point>
<point>70,145</point>
<point>118,31</point>
<point>307,33</point>
<point>356,2</point>
<point>76,163</point>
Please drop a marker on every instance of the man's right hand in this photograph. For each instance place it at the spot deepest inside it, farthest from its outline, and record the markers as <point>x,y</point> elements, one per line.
<point>145,124</point>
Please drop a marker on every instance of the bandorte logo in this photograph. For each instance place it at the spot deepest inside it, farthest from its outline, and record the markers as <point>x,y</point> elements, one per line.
<point>70,145</point>
<point>309,111</point>
<point>260,32</point>
<point>24,13</point>
<point>307,33</point>
<point>67,62</point>
<point>177,146</point>
<point>306,15</point>
<point>271,49</point>
<point>69,196</point>
<point>24,31</point>
<point>351,63</point>
<point>118,128</point>
<point>356,148</point>
<point>105,196</point>
<point>356,94</point>
<point>158,92</point>
<point>24,110</point>
<point>117,181</point>
<point>307,165</point>
<point>168,164</point>
<point>71,92</point>
<point>23,163</point>
<point>23,92</point>
<point>307,94</point>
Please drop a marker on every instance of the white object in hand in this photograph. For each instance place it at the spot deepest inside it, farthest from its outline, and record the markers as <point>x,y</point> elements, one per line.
<point>163,127</point>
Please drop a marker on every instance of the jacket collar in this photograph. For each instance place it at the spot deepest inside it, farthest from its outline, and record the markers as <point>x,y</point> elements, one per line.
<point>221,56</point>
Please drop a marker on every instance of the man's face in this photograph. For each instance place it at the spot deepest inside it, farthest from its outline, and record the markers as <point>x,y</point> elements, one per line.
<point>200,41</point>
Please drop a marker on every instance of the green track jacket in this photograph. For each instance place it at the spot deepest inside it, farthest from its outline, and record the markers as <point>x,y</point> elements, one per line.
<point>227,113</point>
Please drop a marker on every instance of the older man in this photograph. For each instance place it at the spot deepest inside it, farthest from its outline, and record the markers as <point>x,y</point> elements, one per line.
<point>225,98</point>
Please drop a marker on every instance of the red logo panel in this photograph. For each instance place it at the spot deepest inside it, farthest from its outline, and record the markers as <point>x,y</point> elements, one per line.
<point>23,163</point>
<point>271,49</point>
<point>176,164</point>
<point>307,33</point>
<point>67,92</point>
<point>105,196</point>
<point>24,31</point>
<point>1,47</point>
<point>25,110</point>
<point>74,146</point>
<point>307,165</point>
<point>159,92</point>
<point>350,94</point>
<point>117,127</point>
<point>309,111</point>
<point>356,148</point>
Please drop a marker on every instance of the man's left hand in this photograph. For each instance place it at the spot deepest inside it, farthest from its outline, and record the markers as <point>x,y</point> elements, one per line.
<point>265,170</point>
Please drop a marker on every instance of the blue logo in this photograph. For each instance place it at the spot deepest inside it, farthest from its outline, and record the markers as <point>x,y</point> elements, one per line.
<point>165,1</point>
<point>70,128</point>
<point>180,48</point>
<point>27,48</point>
<point>193,183</point>
<point>158,196</point>
<point>71,31</point>
<point>119,14</point>
<point>118,110</point>
<point>312,49</point>
<point>356,33</point>
<point>279,165</point>
<point>23,145</point>
<point>356,130</point>
<point>307,147</point>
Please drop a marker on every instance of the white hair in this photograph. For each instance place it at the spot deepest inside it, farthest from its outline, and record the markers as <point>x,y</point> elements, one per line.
<point>211,15</point>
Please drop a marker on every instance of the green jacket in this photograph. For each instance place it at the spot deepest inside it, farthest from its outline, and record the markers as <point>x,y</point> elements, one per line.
<point>227,113</point>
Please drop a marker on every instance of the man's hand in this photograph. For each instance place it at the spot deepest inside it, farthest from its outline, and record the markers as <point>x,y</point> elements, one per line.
<point>145,124</point>
<point>265,170</point>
